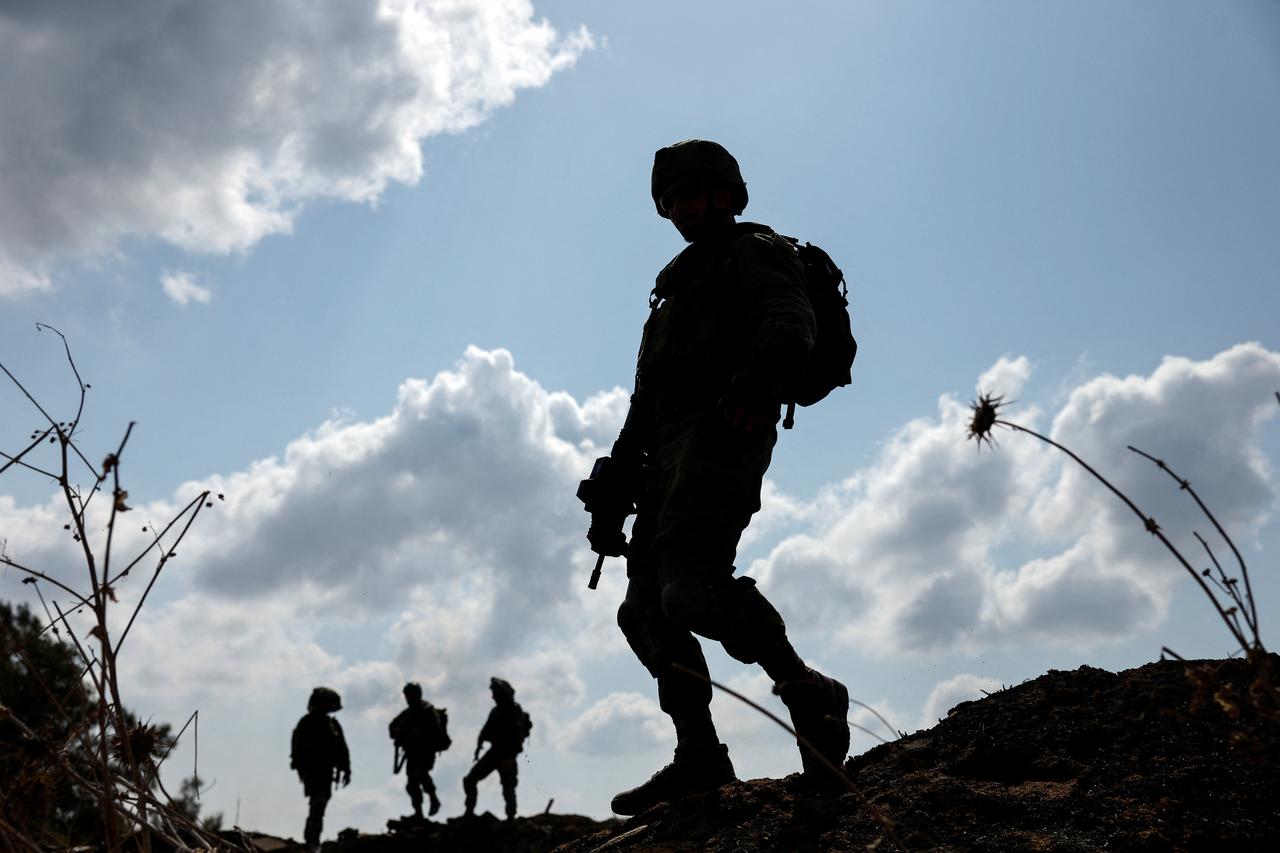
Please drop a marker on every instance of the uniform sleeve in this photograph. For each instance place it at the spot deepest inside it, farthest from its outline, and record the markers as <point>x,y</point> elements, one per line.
<point>489,732</point>
<point>342,757</point>
<point>295,745</point>
<point>767,272</point>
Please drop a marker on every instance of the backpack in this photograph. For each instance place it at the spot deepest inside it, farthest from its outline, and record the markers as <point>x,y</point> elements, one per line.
<point>834,347</point>
<point>442,739</point>
<point>523,725</point>
<point>428,730</point>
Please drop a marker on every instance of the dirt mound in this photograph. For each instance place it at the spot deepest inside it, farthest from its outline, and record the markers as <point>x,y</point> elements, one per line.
<point>1072,761</point>
<point>482,832</point>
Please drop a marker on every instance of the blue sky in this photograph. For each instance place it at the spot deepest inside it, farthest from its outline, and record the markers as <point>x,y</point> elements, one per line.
<point>1045,199</point>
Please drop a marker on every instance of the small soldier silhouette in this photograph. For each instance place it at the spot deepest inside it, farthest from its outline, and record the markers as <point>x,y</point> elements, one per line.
<point>319,754</point>
<point>506,730</point>
<point>419,732</point>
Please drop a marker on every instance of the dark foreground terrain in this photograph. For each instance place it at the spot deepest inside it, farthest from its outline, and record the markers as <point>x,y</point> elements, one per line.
<point>1072,761</point>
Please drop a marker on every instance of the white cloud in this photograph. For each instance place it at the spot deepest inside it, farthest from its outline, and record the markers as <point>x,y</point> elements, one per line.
<point>928,549</point>
<point>947,694</point>
<point>1008,376</point>
<point>181,287</point>
<point>442,543</point>
<point>618,721</point>
<point>209,125</point>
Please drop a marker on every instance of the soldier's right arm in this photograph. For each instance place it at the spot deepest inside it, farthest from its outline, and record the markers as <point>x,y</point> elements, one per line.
<point>297,745</point>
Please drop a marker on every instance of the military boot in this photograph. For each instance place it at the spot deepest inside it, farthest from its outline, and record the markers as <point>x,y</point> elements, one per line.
<point>695,768</point>
<point>819,709</point>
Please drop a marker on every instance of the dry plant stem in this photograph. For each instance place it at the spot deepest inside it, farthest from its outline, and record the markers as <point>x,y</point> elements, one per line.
<point>866,730</point>
<point>104,760</point>
<point>79,382</point>
<point>1148,522</point>
<point>198,504</point>
<point>1251,611</point>
<point>883,822</point>
<point>122,792</point>
<point>5,561</point>
<point>155,773</point>
<point>17,460</point>
<point>58,703</point>
<point>10,835</point>
<point>879,717</point>
<point>1228,587</point>
<point>115,503</point>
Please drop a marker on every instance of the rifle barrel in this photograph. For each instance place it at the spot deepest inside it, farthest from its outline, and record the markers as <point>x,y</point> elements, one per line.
<point>595,574</point>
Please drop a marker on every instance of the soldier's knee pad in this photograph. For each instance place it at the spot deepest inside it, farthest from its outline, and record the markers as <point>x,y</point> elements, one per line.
<point>758,628</point>
<point>733,612</point>
<point>634,622</point>
<point>695,605</point>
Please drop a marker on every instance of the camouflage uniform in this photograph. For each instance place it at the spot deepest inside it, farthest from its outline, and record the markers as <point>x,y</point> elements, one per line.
<point>730,306</point>
<point>318,751</point>
<point>728,337</point>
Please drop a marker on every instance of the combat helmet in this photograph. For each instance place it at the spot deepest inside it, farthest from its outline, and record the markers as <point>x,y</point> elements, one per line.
<point>689,159</point>
<point>325,700</point>
<point>501,687</point>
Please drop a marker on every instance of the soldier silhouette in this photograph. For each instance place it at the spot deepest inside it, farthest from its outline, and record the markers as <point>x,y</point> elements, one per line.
<point>319,753</point>
<point>730,332</point>
<point>419,731</point>
<point>506,730</point>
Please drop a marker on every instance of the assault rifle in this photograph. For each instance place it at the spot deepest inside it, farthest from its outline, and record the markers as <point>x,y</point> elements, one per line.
<point>603,495</point>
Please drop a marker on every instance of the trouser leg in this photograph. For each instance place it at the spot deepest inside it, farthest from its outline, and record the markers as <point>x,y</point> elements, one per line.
<point>486,765</point>
<point>662,646</point>
<point>415,796</point>
<point>429,786</point>
<point>508,774</point>
<point>315,820</point>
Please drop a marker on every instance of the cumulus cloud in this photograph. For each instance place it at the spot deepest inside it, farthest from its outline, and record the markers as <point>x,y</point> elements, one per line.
<point>443,493</point>
<point>441,543</point>
<point>209,125</point>
<point>448,526</point>
<point>181,287</point>
<point>927,549</point>
<point>947,694</point>
<point>619,720</point>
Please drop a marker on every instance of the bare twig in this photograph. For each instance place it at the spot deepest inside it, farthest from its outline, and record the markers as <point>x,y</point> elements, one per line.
<point>17,460</point>
<point>198,503</point>
<point>1251,615</point>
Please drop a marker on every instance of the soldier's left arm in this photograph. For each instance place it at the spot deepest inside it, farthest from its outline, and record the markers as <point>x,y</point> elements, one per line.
<point>343,754</point>
<point>769,279</point>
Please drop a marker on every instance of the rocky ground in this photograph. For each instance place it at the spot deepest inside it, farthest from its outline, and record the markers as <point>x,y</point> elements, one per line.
<point>1072,761</point>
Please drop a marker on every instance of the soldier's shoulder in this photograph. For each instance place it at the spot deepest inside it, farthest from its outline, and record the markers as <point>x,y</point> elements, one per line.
<point>760,244</point>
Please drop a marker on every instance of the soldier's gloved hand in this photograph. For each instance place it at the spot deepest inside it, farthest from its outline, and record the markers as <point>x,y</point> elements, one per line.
<point>605,533</point>
<point>750,403</point>
<point>346,778</point>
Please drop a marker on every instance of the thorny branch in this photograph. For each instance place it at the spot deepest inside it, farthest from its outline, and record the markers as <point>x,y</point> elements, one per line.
<point>1264,692</point>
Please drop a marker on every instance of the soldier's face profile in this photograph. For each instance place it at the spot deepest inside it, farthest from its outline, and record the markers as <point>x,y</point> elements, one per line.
<point>693,206</point>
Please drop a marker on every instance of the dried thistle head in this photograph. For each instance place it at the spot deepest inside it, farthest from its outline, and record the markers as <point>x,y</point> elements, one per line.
<point>985,410</point>
<point>145,741</point>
